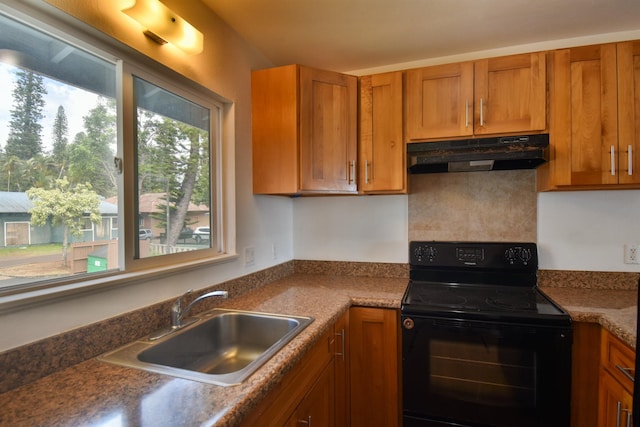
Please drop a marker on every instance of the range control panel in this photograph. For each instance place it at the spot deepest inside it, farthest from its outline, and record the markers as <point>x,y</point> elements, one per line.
<point>498,255</point>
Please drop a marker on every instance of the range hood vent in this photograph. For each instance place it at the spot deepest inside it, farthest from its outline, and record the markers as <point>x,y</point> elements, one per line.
<point>478,154</point>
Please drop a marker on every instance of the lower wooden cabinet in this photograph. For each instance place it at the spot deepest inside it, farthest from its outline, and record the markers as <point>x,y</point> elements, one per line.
<point>615,397</point>
<point>318,406</point>
<point>585,364</point>
<point>341,362</point>
<point>601,391</point>
<point>295,396</point>
<point>375,379</point>
<point>615,403</point>
<point>350,377</point>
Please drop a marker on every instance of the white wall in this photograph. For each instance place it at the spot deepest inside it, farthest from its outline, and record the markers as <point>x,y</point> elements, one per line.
<point>351,228</point>
<point>588,230</point>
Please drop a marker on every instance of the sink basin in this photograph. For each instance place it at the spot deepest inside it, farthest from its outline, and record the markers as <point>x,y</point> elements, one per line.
<point>223,347</point>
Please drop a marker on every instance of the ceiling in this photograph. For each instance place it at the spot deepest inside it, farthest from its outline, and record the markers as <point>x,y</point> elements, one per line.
<point>350,35</point>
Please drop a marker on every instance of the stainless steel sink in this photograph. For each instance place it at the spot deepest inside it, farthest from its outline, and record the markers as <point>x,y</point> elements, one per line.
<point>223,347</point>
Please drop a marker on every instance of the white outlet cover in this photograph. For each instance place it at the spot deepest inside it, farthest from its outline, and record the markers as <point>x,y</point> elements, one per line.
<point>631,254</point>
<point>249,256</point>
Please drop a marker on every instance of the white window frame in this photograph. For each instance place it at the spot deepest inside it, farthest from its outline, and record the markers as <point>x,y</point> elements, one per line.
<point>128,72</point>
<point>133,270</point>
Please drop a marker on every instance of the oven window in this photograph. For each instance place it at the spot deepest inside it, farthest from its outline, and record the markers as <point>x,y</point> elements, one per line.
<point>483,372</point>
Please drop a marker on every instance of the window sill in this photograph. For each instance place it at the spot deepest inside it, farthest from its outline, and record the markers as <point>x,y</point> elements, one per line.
<point>21,299</point>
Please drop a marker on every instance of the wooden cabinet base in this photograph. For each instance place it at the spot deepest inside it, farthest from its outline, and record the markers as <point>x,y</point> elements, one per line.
<point>375,382</point>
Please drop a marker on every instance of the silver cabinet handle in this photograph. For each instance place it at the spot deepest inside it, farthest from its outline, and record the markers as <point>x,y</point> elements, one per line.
<point>626,372</point>
<point>306,422</point>
<point>629,415</point>
<point>342,352</point>
<point>630,159</point>
<point>366,171</point>
<point>613,161</point>
<point>352,172</point>
<point>466,113</point>
<point>618,414</point>
<point>481,111</point>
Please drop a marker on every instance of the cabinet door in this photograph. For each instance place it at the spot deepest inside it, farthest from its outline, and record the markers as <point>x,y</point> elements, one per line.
<point>274,124</point>
<point>439,101</point>
<point>374,367</point>
<point>510,94</point>
<point>382,151</point>
<point>341,362</point>
<point>615,403</point>
<point>628,59</point>
<point>328,131</point>
<point>585,365</point>
<point>317,408</point>
<point>280,406</point>
<point>584,128</point>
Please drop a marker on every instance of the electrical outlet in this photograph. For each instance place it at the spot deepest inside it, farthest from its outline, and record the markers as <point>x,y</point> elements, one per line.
<point>249,256</point>
<point>631,254</point>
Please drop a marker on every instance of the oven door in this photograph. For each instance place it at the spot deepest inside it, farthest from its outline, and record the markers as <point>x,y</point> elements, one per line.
<point>476,373</point>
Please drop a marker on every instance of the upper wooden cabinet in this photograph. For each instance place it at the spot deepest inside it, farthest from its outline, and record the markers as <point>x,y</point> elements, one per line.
<point>595,118</point>
<point>304,124</point>
<point>439,101</point>
<point>628,61</point>
<point>502,95</point>
<point>382,152</point>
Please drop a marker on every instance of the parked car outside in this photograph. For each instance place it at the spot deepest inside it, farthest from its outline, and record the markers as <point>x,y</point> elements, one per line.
<point>185,233</point>
<point>201,233</point>
<point>145,234</point>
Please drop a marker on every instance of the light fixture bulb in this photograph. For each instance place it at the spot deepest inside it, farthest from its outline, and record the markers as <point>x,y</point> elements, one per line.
<point>162,25</point>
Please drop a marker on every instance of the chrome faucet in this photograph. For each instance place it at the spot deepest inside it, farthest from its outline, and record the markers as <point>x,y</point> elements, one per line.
<point>177,313</point>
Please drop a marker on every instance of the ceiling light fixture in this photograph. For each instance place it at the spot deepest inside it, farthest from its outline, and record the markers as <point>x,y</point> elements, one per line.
<point>163,25</point>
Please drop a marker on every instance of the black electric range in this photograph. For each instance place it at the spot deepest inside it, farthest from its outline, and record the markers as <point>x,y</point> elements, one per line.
<point>481,344</point>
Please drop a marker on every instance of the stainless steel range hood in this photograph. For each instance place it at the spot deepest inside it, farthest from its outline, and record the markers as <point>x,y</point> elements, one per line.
<point>478,154</point>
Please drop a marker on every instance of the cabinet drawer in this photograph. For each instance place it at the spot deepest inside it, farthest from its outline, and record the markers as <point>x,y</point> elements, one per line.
<point>619,359</point>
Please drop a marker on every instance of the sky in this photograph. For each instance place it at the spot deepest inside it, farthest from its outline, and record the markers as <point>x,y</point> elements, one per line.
<point>76,103</point>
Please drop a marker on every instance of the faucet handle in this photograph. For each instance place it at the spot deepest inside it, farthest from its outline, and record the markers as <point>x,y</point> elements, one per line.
<point>178,302</point>
<point>176,309</point>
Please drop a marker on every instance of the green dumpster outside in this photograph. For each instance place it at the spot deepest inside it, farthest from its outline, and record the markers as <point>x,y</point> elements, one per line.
<point>97,260</point>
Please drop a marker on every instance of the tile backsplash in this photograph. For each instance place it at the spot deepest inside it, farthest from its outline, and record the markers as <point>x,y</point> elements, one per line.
<point>474,206</point>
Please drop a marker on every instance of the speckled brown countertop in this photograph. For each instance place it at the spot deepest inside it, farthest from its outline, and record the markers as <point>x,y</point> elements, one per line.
<point>95,393</point>
<point>614,309</point>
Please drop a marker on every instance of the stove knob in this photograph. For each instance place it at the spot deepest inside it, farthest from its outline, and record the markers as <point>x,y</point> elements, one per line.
<point>525,255</point>
<point>511,254</point>
<point>408,323</point>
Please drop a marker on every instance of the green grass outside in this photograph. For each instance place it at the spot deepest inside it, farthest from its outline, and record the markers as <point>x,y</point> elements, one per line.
<point>31,250</point>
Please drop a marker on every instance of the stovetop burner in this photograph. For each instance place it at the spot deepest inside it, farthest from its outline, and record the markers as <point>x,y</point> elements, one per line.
<point>472,297</point>
<point>486,281</point>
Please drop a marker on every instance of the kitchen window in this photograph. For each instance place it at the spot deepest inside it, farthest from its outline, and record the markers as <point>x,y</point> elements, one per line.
<point>93,149</point>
